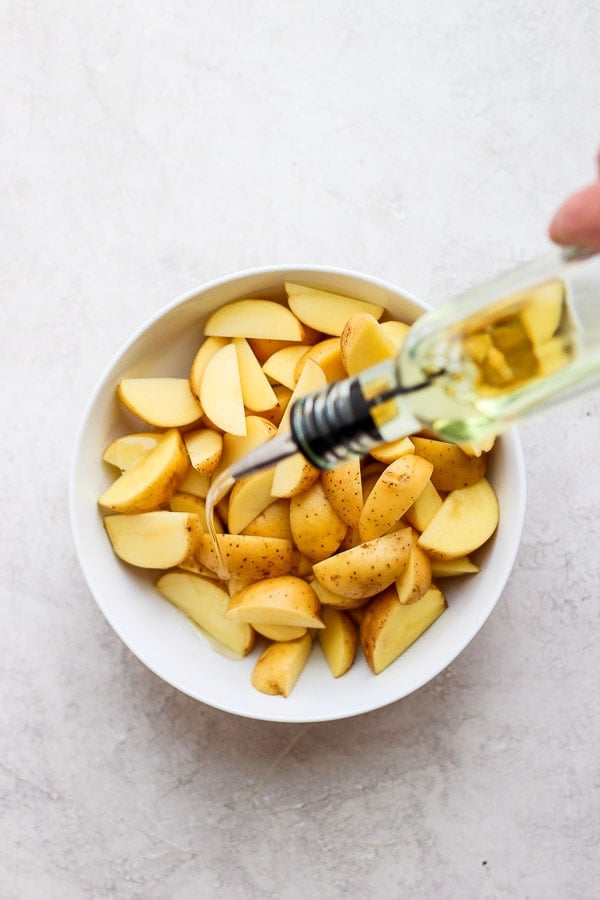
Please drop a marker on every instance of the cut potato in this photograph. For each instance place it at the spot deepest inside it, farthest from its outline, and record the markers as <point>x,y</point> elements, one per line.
<point>336,601</point>
<point>263,348</point>
<point>415,580</point>
<point>325,311</point>
<point>397,332</point>
<point>164,402</point>
<point>255,319</point>
<point>364,343</point>
<point>128,449</point>
<point>273,521</point>
<point>338,640</point>
<point>280,632</point>
<point>467,519</point>
<point>281,367</point>
<point>153,540</point>
<point>343,488</point>
<point>316,527</point>
<point>151,481</point>
<point>276,413</point>
<point>258,430</point>
<point>284,600</point>
<point>312,378</point>
<point>184,502</point>
<point>366,569</point>
<point>257,393</point>
<point>195,483</point>
<point>328,355</point>
<point>388,627</point>
<point>246,556</point>
<point>278,667</point>
<point>221,391</point>
<point>393,493</point>
<point>476,448</point>
<point>248,498</point>
<point>192,565</point>
<point>448,568</point>
<point>204,603</point>
<point>387,453</point>
<point>207,350</point>
<point>427,504</point>
<point>293,476</point>
<point>452,468</point>
<point>204,448</point>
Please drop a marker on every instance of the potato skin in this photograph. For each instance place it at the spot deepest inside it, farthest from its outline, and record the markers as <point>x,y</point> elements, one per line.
<point>452,467</point>
<point>317,529</point>
<point>365,570</point>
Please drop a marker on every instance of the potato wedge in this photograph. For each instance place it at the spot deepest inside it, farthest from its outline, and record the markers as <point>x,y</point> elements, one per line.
<point>128,449</point>
<point>328,355</point>
<point>151,481</point>
<point>280,632</point>
<point>207,350</point>
<point>393,493</point>
<point>343,489</point>
<point>273,521</point>
<point>246,556</point>
<point>336,601</point>
<point>257,392</point>
<point>221,391</point>
<point>364,343</point>
<point>195,483</point>
<point>281,366</point>
<point>325,311</point>
<point>387,453</point>
<point>415,580</point>
<point>293,476</point>
<point>204,447</point>
<point>316,527</point>
<point>283,600</point>
<point>338,640</point>
<point>164,402</point>
<point>254,319</point>
<point>153,540</point>
<point>452,468</point>
<point>248,498</point>
<point>367,569</point>
<point>427,504</point>
<point>388,627</point>
<point>184,502</point>
<point>278,667</point>
<point>396,331</point>
<point>204,603</point>
<point>276,413</point>
<point>449,568</point>
<point>467,519</point>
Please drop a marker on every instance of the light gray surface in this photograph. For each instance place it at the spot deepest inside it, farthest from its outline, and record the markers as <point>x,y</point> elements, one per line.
<point>147,148</point>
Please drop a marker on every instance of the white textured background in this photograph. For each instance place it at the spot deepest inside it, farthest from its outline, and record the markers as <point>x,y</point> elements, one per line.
<point>147,147</point>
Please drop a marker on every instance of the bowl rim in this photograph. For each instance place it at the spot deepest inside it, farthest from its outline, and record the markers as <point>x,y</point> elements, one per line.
<point>280,713</point>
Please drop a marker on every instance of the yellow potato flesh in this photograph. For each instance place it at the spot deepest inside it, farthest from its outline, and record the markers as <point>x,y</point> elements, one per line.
<point>254,319</point>
<point>285,600</point>
<point>325,311</point>
<point>393,493</point>
<point>128,449</point>
<point>152,480</point>
<point>204,448</point>
<point>427,504</point>
<point>273,521</point>
<point>164,402</point>
<point>204,603</point>
<point>364,343</point>
<point>467,519</point>
<point>415,580</point>
<point>338,640</point>
<point>221,392</point>
<point>248,498</point>
<point>281,366</point>
<point>207,350</point>
<point>388,627</point>
<point>447,568</point>
<point>153,540</point>
<point>280,632</point>
<point>387,453</point>
<point>279,666</point>
<point>452,468</point>
<point>328,355</point>
<point>257,393</point>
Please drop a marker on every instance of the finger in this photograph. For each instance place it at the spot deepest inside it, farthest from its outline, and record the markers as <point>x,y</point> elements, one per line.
<point>577,222</point>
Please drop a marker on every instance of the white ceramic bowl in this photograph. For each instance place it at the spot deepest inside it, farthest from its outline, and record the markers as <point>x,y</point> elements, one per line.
<point>160,636</point>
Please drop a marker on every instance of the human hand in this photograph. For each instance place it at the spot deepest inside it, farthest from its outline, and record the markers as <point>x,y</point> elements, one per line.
<point>577,221</point>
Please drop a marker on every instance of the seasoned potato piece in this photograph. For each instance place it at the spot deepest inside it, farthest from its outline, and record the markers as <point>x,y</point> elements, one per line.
<point>278,667</point>
<point>316,527</point>
<point>164,402</point>
<point>367,569</point>
<point>467,519</point>
<point>204,602</point>
<point>246,556</point>
<point>338,640</point>
<point>284,600</point>
<point>452,468</point>
<point>153,540</point>
<point>393,493</point>
<point>388,627</point>
<point>152,480</point>
<point>343,488</point>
